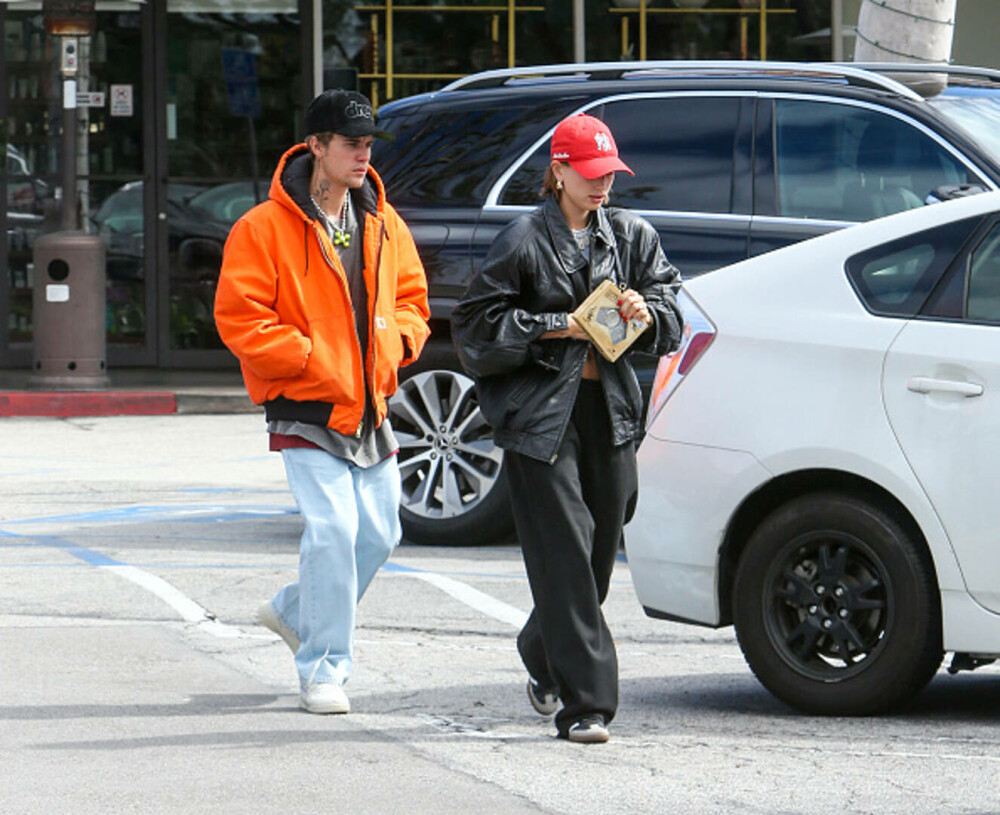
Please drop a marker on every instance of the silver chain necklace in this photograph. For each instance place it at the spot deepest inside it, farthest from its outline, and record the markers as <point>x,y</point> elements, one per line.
<point>341,237</point>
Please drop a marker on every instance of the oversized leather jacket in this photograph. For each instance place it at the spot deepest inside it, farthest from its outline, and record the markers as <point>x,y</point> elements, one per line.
<point>527,386</point>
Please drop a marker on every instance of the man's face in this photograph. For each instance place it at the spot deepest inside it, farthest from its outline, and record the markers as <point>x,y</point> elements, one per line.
<point>343,161</point>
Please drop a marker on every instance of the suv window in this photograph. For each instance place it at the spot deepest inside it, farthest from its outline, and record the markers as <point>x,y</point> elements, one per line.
<point>846,163</point>
<point>895,279</point>
<point>455,156</point>
<point>681,149</point>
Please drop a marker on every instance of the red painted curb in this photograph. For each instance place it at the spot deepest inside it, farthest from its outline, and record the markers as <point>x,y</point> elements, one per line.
<point>87,403</point>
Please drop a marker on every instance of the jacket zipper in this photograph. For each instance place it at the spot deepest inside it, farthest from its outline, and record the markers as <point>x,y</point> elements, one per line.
<point>372,319</point>
<point>342,277</point>
<point>577,378</point>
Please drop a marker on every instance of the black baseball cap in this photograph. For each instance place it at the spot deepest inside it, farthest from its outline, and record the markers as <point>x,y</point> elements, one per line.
<point>348,113</point>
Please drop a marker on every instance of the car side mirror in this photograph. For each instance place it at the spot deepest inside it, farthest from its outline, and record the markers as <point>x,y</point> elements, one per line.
<point>949,192</point>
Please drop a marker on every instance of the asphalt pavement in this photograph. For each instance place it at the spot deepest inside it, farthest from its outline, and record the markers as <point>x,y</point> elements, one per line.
<point>134,550</point>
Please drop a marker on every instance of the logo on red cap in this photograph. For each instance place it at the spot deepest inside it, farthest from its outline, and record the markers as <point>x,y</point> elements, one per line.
<point>587,145</point>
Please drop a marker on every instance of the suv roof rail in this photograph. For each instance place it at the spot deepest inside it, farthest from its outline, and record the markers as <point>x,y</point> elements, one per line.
<point>593,71</point>
<point>972,71</point>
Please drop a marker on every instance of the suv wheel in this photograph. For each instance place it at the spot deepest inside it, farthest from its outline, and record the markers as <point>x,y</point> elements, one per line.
<point>454,488</point>
<point>836,607</point>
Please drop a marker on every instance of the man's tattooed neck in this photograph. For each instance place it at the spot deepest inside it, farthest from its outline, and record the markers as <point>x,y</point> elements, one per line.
<point>321,192</point>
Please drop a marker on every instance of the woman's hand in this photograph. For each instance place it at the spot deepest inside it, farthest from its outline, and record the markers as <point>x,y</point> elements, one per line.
<point>574,332</point>
<point>632,306</point>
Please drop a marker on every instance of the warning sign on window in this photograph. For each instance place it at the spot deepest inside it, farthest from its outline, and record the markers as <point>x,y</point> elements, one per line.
<point>121,100</point>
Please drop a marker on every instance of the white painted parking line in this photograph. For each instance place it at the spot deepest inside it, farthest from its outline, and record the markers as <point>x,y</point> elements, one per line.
<point>473,598</point>
<point>191,612</point>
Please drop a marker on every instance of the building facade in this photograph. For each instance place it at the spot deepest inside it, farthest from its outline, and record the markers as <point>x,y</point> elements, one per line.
<point>184,106</point>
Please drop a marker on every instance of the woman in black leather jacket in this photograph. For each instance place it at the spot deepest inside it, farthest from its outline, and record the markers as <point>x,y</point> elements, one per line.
<point>568,419</point>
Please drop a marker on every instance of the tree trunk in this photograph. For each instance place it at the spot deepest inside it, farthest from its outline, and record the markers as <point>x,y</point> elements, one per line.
<point>907,31</point>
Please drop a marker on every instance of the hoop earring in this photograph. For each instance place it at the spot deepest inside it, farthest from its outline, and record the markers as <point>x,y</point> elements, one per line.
<point>559,185</point>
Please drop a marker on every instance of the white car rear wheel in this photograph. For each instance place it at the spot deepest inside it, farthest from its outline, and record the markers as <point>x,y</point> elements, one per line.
<point>836,608</point>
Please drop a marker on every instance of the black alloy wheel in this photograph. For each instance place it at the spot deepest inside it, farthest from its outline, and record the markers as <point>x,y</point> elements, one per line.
<point>837,610</point>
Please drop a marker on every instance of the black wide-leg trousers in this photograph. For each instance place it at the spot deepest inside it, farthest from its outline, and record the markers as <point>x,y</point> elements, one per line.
<point>569,517</point>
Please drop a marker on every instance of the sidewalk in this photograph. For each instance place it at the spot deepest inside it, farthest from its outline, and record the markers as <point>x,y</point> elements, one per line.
<point>133,391</point>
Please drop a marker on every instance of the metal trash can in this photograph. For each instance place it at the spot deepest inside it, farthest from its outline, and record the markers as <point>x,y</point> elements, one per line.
<point>68,301</point>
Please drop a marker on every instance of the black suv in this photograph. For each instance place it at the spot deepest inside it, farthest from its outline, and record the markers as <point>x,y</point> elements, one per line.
<point>731,159</point>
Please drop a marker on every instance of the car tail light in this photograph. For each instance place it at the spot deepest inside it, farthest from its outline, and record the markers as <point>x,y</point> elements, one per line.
<point>672,368</point>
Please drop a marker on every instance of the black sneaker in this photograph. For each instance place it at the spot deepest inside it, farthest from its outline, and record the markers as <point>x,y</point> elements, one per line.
<point>588,730</point>
<point>544,701</point>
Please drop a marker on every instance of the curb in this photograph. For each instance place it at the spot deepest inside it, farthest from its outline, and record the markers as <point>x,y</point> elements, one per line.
<point>64,404</point>
<point>87,403</point>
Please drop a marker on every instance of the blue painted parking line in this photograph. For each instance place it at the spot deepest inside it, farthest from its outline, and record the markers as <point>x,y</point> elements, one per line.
<point>176,513</point>
<point>190,611</point>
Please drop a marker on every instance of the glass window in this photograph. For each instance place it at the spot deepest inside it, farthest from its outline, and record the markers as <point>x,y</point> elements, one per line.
<point>895,279</point>
<point>680,148</point>
<point>108,150</point>
<point>888,281</point>
<point>232,108</point>
<point>453,158</point>
<point>984,280</point>
<point>977,110</point>
<point>846,163</point>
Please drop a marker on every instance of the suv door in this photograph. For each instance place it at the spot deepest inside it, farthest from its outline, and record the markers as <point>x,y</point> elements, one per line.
<point>691,154</point>
<point>823,163</point>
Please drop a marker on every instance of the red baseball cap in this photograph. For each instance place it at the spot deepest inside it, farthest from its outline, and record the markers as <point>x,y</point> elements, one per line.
<point>587,145</point>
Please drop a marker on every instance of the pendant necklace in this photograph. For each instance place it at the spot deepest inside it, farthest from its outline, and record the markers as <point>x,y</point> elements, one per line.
<point>341,237</point>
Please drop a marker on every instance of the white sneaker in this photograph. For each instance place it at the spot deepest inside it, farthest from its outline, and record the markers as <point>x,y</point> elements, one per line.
<point>269,618</point>
<point>589,730</point>
<point>546,702</point>
<point>325,697</point>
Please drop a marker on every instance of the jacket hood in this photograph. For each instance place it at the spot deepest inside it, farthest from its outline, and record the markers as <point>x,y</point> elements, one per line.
<point>290,186</point>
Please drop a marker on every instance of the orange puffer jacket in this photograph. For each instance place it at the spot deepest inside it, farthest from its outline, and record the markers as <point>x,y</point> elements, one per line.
<point>283,305</point>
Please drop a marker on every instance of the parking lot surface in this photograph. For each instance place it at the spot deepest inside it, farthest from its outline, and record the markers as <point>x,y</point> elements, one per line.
<point>135,550</point>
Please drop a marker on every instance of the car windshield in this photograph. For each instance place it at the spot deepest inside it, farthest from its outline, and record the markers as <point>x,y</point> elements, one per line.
<point>977,111</point>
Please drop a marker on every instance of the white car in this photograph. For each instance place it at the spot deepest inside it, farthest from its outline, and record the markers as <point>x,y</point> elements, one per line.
<point>823,455</point>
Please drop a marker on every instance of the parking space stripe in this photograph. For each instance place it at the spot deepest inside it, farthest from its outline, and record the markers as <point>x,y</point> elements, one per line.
<point>464,593</point>
<point>192,612</point>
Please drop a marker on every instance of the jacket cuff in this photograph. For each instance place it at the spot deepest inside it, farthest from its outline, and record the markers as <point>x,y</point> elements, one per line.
<point>556,320</point>
<point>649,341</point>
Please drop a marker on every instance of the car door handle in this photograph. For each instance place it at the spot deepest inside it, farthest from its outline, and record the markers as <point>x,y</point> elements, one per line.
<point>927,384</point>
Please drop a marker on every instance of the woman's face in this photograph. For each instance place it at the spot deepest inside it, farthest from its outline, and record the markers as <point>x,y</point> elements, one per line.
<point>580,196</point>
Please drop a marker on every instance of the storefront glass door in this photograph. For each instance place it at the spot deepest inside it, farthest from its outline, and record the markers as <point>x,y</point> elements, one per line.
<point>185,107</point>
<point>232,106</point>
<point>111,165</point>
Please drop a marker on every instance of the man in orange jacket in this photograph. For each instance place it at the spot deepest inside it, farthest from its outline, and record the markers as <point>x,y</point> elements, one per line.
<point>322,297</point>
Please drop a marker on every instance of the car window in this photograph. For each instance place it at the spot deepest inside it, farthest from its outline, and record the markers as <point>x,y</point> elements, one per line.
<point>984,280</point>
<point>895,279</point>
<point>453,157</point>
<point>847,163</point>
<point>680,148</point>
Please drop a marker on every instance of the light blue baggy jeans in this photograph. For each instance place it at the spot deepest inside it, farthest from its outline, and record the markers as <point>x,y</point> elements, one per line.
<point>351,519</point>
